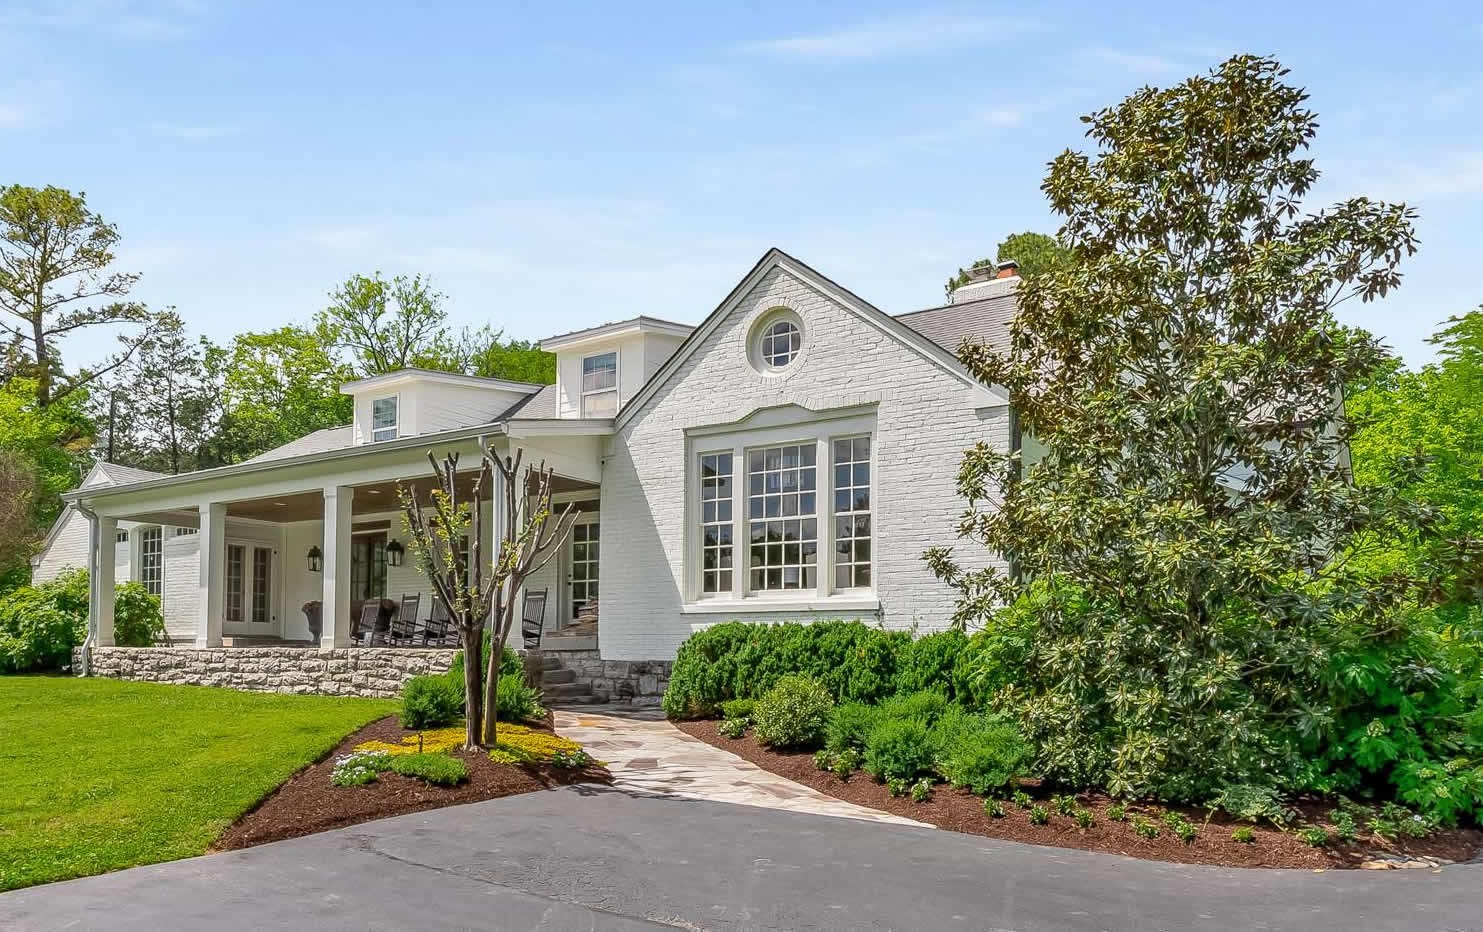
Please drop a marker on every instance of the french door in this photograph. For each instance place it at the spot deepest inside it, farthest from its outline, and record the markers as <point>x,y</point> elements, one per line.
<point>251,599</point>
<point>581,565</point>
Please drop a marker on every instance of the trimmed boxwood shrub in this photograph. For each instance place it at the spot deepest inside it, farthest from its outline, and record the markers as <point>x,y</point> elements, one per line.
<point>793,713</point>
<point>931,662</point>
<point>431,701</point>
<point>925,706</point>
<point>898,748</point>
<point>979,752</point>
<point>741,660</point>
<point>850,726</point>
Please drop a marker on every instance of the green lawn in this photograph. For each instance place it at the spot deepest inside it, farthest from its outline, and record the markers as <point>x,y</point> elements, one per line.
<point>98,774</point>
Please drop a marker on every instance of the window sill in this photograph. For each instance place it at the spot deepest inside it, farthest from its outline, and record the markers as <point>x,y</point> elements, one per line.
<point>836,603</point>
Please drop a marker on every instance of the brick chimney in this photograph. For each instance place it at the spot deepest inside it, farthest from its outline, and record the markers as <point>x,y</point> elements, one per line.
<point>985,281</point>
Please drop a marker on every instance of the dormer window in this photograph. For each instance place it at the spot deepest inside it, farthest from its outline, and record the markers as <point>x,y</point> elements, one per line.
<point>600,385</point>
<point>384,419</point>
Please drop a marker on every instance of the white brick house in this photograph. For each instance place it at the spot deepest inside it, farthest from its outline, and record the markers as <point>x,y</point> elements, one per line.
<point>790,457</point>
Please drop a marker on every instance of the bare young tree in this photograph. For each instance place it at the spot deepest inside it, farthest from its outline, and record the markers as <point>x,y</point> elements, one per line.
<point>477,590</point>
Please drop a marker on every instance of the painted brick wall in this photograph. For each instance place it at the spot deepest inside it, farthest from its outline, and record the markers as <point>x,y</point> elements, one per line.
<point>925,421</point>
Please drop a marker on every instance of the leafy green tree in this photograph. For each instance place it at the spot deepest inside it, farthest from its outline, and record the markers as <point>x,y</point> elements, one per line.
<point>275,387</point>
<point>43,451</point>
<point>55,256</point>
<point>162,409</point>
<point>1182,373</point>
<point>1035,253</point>
<point>487,353</point>
<point>387,325</point>
<point>1435,413</point>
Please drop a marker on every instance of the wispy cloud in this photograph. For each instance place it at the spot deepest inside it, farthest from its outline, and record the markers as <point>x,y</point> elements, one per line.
<point>140,20</point>
<point>1459,174</point>
<point>197,132</point>
<point>883,38</point>
<point>1139,64</point>
<point>13,116</point>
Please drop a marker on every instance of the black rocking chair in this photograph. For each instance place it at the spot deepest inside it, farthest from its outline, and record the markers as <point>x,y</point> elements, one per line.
<point>533,618</point>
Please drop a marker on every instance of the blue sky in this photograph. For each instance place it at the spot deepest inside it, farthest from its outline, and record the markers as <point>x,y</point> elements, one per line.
<point>553,166</point>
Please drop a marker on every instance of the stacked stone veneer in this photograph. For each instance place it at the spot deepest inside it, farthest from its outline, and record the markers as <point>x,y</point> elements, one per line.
<point>377,672</point>
<point>641,682</point>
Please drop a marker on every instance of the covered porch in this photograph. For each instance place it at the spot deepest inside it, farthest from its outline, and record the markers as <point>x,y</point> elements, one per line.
<point>253,558</point>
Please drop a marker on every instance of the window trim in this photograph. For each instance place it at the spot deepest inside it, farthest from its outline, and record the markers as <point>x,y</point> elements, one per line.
<point>582,392</point>
<point>782,426</point>
<point>158,534</point>
<point>396,426</point>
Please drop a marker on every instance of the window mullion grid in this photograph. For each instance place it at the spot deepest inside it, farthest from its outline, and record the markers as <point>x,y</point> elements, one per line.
<point>740,542</point>
<point>823,510</point>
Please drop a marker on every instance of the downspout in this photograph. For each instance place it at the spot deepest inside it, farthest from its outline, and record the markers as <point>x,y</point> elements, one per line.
<point>94,598</point>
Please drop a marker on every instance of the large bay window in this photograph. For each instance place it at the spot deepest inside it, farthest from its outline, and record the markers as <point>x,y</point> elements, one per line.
<point>782,515</point>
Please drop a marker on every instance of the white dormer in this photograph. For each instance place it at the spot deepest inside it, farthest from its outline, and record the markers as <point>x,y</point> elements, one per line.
<point>599,369</point>
<point>411,402</point>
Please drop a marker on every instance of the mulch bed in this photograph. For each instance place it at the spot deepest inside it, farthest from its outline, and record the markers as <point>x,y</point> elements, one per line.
<point>961,811</point>
<point>307,802</point>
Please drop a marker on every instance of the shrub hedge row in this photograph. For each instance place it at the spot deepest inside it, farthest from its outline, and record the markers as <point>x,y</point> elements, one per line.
<point>853,661</point>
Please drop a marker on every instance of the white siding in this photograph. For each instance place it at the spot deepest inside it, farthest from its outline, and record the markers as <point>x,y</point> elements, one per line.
<point>924,422</point>
<point>426,406</point>
<point>181,587</point>
<point>69,548</point>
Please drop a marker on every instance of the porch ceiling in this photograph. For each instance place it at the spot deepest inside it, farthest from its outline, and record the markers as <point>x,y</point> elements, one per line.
<point>309,506</point>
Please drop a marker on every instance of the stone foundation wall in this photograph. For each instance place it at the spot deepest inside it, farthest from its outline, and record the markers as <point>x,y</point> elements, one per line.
<point>376,672</point>
<point>642,682</point>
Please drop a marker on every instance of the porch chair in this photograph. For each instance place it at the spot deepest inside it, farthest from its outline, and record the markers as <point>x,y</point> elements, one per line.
<point>404,623</point>
<point>438,630</point>
<point>533,617</point>
<point>370,614</point>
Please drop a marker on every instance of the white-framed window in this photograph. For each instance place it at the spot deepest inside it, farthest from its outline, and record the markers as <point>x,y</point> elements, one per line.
<point>852,540</point>
<point>384,418</point>
<point>782,517</point>
<point>600,385</point>
<point>152,560</point>
<point>781,341</point>
<point>781,511</point>
<point>716,554</point>
<point>184,531</point>
<point>121,537</point>
<point>236,581</point>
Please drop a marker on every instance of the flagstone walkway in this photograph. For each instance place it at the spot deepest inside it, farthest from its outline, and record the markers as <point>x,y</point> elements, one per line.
<point>650,756</point>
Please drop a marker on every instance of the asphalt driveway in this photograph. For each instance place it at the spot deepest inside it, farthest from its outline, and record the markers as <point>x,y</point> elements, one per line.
<point>596,858</point>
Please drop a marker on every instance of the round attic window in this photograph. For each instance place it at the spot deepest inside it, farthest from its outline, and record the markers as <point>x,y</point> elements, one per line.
<point>781,340</point>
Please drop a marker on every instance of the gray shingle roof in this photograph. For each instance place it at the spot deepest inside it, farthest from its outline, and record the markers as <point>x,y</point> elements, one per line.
<point>986,320</point>
<point>119,475</point>
<point>541,404</point>
<point>321,441</point>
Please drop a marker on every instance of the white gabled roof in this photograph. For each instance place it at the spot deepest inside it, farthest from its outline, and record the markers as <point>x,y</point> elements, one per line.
<point>604,332</point>
<point>775,258</point>
<point>413,374</point>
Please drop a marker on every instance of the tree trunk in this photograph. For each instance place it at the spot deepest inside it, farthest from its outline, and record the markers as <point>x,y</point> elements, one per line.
<point>473,693</point>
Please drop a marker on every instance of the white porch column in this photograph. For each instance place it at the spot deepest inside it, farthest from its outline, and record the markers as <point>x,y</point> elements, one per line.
<point>336,598</point>
<point>100,572</point>
<point>212,581</point>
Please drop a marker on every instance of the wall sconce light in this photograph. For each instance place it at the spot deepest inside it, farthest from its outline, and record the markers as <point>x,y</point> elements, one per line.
<point>316,560</point>
<point>395,552</point>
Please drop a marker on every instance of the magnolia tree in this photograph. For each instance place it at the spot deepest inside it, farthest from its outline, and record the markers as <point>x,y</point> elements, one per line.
<point>1177,578</point>
<point>479,589</point>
